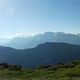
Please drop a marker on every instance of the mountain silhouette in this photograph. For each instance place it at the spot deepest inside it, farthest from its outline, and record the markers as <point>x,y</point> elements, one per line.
<point>44,54</point>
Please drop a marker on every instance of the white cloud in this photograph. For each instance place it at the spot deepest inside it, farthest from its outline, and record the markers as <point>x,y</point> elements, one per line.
<point>24,34</point>
<point>18,35</point>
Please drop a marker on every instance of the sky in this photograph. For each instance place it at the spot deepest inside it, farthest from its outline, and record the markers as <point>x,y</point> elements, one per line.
<point>28,17</point>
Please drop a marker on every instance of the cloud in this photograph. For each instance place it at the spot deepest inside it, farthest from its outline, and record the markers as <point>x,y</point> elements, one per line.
<point>24,34</point>
<point>19,34</point>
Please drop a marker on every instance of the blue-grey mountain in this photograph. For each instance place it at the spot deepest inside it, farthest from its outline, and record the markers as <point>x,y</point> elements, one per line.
<point>43,54</point>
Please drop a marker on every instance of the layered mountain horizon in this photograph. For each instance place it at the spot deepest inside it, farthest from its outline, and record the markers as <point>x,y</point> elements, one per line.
<point>48,53</point>
<point>43,49</point>
<point>32,41</point>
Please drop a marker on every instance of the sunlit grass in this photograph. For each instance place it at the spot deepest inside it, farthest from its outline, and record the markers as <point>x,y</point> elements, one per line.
<point>60,73</point>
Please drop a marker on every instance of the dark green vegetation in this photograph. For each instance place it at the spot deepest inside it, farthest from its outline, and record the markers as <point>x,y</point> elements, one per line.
<point>43,54</point>
<point>68,71</point>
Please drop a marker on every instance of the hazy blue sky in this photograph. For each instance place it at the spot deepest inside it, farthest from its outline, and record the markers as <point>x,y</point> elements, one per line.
<point>35,16</point>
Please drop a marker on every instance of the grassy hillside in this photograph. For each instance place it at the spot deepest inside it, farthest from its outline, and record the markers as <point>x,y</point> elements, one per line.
<point>68,71</point>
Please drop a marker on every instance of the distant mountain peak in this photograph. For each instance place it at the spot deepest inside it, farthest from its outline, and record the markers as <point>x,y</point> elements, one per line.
<point>31,42</point>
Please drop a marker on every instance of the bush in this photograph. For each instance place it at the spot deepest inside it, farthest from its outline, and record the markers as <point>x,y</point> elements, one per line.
<point>15,67</point>
<point>5,65</point>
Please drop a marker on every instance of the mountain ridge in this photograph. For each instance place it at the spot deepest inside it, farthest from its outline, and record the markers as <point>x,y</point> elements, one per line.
<point>31,42</point>
<point>43,54</point>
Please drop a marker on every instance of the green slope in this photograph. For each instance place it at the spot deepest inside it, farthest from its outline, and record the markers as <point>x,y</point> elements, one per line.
<point>68,71</point>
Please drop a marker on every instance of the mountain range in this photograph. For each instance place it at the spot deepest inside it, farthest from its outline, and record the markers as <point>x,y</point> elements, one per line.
<point>31,42</point>
<point>44,54</point>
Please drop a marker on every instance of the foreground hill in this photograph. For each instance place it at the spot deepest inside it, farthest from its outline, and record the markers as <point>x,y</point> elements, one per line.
<point>43,54</point>
<point>67,71</point>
